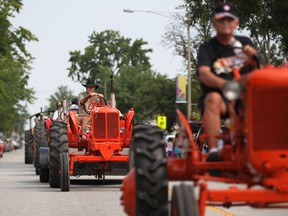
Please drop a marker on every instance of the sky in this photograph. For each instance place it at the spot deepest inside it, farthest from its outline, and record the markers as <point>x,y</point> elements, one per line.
<point>64,25</point>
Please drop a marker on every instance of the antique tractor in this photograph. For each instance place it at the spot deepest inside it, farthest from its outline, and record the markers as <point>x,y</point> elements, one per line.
<point>99,143</point>
<point>255,153</point>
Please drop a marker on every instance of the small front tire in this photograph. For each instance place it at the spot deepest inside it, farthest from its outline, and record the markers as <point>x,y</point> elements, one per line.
<point>44,175</point>
<point>64,172</point>
<point>183,201</point>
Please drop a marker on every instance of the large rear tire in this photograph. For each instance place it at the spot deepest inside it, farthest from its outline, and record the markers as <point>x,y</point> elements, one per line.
<point>183,201</point>
<point>64,172</point>
<point>28,147</point>
<point>58,144</point>
<point>151,171</point>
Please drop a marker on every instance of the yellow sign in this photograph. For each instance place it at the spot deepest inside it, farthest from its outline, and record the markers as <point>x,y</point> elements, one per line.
<point>161,122</point>
<point>181,89</point>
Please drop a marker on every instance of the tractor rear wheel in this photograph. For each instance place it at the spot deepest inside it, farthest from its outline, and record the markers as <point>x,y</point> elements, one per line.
<point>151,171</point>
<point>58,144</point>
<point>183,201</point>
<point>28,147</point>
<point>64,172</point>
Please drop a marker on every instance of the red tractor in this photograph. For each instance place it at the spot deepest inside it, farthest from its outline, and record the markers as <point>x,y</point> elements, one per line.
<point>99,144</point>
<point>255,153</point>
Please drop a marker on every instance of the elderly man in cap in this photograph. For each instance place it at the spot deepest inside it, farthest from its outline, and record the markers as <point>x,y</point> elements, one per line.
<point>212,76</point>
<point>90,86</point>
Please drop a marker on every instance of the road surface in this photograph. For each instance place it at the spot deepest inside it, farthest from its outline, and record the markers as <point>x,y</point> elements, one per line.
<point>21,194</point>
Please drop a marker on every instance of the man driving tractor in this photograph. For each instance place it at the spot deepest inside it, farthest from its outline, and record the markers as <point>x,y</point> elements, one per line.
<point>213,74</point>
<point>85,99</point>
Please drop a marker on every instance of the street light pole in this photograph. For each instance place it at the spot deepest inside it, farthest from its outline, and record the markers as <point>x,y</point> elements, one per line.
<point>189,102</point>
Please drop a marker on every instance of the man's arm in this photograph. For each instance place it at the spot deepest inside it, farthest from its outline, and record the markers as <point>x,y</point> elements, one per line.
<point>210,79</point>
<point>250,50</point>
<point>83,96</point>
<point>92,94</point>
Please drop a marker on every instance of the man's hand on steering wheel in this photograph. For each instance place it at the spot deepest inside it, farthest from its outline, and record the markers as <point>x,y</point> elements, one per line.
<point>243,57</point>
<point>249,50</point>
<point>89,104</point>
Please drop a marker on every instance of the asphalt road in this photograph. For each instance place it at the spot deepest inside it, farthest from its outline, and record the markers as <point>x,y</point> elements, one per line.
<point>21,193</point>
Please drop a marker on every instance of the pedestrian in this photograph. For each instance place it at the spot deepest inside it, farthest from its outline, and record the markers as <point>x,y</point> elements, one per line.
<point>177,153</point>
<point>169,148</point>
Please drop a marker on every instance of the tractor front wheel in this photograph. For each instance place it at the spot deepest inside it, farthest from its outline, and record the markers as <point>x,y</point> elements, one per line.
<point>28,147</point>
<point>58,144</point>
<point>183,201</point>
<point>64,172</point>
<point>44,175</point>
<point>150,171</point>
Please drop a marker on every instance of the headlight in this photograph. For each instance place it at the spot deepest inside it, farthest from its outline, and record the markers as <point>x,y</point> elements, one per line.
<point>87,129</point>
<point>232,90</point>
<point>122,129</point>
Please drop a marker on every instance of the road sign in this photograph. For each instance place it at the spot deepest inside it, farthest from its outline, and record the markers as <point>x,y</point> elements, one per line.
<point>162,122</point>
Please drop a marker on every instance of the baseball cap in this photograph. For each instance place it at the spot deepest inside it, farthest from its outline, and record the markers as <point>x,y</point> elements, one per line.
<point>73,107</point>
<point>225,10</point>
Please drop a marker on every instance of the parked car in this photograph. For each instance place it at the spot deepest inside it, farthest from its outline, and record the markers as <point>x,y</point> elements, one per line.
<point>196,128</point>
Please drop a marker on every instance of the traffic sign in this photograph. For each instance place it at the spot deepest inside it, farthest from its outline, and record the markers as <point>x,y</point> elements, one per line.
<point>162,122</point>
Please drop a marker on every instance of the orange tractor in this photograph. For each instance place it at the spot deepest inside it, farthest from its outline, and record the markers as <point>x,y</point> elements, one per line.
<point>255,153</point>
<point>99,144</point>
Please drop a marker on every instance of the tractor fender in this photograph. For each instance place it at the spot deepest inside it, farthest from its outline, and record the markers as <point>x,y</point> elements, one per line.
<point>48,122</point>
<point>186,135</point>
<point>73,122</point>
<point>128,120</point>
<point>43,156</point>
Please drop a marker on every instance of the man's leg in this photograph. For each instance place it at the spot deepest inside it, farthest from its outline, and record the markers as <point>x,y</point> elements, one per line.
<point>214,107</point>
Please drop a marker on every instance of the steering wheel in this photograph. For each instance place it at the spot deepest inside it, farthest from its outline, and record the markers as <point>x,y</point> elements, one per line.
<point>234,63</point>
<point>93,101</point>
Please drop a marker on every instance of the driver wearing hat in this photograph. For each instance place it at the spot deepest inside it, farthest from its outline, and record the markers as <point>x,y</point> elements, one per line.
<point>90,86</point>
<point>212,77</point>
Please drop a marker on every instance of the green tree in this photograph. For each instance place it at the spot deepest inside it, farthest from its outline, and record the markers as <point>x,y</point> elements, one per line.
<point>263,19</point>
<point>260,18</point>
<point>136,85</point>
<point>176,36</point>
<point>14,67</point>
<point>266,17</point>
<point>107,52</point>
<point>62,93</point>
<point>150,94</point>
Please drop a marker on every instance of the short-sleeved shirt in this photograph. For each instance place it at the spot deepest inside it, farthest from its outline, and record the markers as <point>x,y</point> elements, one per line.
<point>212,49</point>
<point>82,95</point>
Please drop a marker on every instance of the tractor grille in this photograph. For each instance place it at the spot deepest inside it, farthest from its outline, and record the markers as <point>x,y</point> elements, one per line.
<point>106,125</point>
<point>270,118</point>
